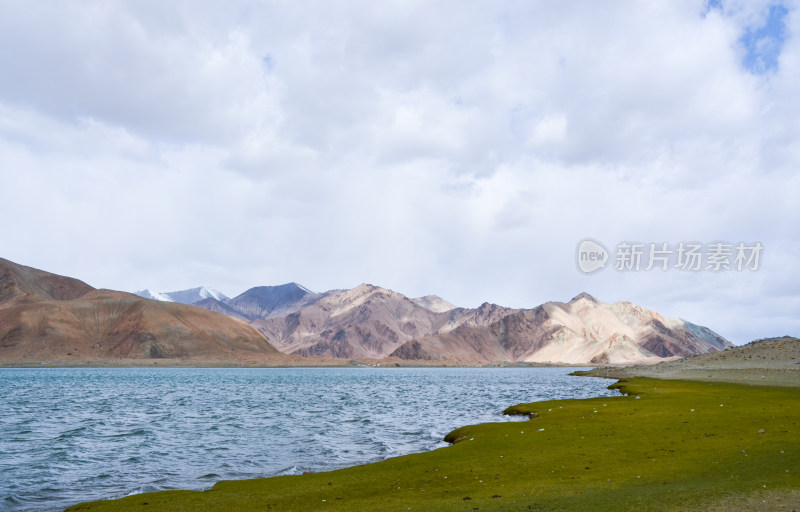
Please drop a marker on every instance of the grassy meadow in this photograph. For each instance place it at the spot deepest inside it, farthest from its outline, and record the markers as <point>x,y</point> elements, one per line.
<point>664,445</point>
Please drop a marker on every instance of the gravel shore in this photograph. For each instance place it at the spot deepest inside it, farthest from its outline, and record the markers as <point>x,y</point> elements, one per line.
<point>772,361</point>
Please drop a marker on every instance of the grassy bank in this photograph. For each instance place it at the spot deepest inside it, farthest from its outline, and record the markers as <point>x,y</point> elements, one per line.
<point>668,445</point>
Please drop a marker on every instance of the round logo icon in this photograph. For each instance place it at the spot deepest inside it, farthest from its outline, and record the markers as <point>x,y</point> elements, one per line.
<point>592,256</point>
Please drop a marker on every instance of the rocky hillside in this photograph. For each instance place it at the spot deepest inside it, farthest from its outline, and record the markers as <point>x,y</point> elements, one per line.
<point>764,361</point>
<point>366,321</point>
<point>373,322</point>
<point>271,301</point>
<point>47,317</point>
<point>19,283</point>
<point>579,332</point>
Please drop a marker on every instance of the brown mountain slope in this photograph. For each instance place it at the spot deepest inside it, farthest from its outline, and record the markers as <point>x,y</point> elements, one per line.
<point>366,321</point>
<point>509,338</point>
<point>583,331</point>
<point>18,282</point>
<point>372,322</point>
<point>44,317</point>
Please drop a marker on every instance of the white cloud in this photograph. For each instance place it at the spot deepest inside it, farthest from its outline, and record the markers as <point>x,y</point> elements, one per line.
<point>455,149</point>
<point>550,131</point>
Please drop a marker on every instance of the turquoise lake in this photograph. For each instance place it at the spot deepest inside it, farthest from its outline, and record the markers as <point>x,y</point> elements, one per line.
<point>74,434</point>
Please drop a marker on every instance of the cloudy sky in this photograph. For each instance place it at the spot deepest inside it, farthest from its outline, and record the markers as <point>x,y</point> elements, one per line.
<point>457,148</point>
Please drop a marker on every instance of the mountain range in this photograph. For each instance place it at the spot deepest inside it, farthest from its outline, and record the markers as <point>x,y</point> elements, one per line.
<point>582,331</point>
<point>46,317</point>
<point>373,322</point>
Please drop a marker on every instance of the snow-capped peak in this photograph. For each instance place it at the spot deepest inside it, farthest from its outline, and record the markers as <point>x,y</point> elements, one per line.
<point>304,288</point>
<point>189,296</point>
<point>207,293</point>
<point>148,294</point>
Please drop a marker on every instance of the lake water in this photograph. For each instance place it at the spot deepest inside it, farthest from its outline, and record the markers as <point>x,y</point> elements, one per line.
<point>74,434</point>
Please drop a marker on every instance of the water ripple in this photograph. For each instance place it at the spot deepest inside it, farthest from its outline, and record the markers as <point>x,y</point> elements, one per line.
<point>69,435</point>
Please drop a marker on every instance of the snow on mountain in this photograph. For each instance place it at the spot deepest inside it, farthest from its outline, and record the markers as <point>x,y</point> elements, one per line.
<point>370,321</point>
<point>149,294</point>
<point>433,303</point>
<point>189,296</point>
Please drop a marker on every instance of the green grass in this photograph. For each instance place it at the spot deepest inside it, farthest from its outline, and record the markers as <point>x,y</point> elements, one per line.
<point>682,445</point>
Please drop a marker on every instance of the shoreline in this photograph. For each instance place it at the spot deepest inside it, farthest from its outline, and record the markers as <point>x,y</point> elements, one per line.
<point>505,465</point>
<point>345,363</point>
<point>662,403</point>
<point>751,376</point>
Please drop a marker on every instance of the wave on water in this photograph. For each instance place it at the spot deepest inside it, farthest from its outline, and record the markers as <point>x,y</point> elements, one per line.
<point>72,435</point>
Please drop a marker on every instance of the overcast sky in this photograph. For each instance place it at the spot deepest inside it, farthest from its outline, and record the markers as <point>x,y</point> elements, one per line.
<point>455,148</point>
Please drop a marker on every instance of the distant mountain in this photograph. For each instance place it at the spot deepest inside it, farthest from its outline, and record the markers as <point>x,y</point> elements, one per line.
<point>583,331</point>
<point>184,296</point>
<point>217,306</point>
<point>373,322</point>
<point>366,321</point>
<point>269,301</point>
<point>433,303</point>
<point>45,317</point>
